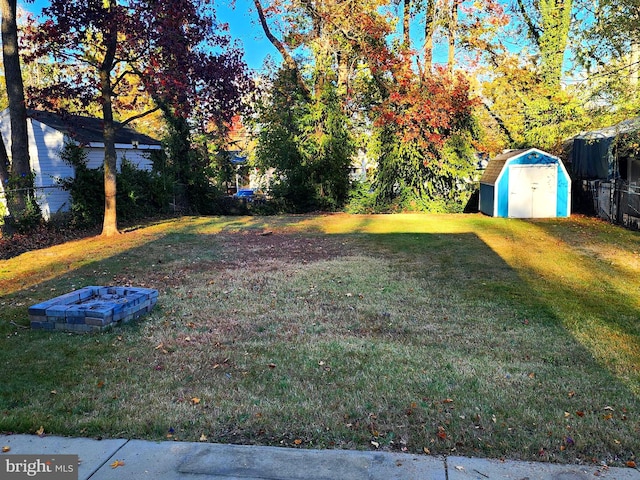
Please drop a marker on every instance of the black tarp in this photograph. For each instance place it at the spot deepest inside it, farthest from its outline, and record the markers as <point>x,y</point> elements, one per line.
<point>590,158</point>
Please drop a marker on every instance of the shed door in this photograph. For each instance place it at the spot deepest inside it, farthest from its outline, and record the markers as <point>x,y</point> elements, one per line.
<point>533,191</point>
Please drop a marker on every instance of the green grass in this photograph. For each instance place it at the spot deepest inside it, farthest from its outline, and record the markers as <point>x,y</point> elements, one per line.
<point>442,333</point>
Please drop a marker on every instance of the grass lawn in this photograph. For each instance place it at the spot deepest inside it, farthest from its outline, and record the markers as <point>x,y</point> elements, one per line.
<point>422,333</point>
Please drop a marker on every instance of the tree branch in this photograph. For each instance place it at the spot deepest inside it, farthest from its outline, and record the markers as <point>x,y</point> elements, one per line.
<point>288,59</point>
<point>499,121</point>
<point>139,115</point>
<point>534,32</point>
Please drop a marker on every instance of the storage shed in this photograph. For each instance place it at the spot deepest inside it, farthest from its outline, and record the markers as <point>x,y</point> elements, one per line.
<point>525,184</point>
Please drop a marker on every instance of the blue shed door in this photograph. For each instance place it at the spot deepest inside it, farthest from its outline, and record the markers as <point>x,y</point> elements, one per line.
<point>533,191</point>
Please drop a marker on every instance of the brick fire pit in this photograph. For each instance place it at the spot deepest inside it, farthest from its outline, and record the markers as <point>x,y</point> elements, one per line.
<point>92,309</point>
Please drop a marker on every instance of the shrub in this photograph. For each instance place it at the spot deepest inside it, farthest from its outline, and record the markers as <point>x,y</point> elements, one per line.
<point>140,193</point>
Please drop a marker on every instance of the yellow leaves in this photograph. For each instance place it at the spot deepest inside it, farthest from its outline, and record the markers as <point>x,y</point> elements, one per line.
<point>203,438</point>
<point>117,463</point>
<point>426,450</point>
<point>6,449</point>
<point>40,431</point>
<point>194,401</point>
<point>297,441</point>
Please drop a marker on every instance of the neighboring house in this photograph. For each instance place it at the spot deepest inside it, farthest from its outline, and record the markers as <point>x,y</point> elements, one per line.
<point>48,133</point>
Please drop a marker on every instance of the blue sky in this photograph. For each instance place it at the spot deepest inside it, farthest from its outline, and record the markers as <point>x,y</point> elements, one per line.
<point>243,26</point>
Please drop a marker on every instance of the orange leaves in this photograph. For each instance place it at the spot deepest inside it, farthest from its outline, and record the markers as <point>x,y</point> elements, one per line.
<point>117,463</point>
<point>441,434</point>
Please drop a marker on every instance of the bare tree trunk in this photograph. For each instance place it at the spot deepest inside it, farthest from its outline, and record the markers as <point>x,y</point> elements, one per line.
<point>110,223</point>
<point>20,167</point>
<point>453,27</point>
<point>429,32</point>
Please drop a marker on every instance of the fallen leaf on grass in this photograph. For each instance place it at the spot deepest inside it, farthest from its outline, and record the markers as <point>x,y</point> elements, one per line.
<point>375,444</point>
<point>195,401</point>
<point>580,413</point>
<point>203,438</point>
<point>40,431</point>
<point>117,463</point>
<point>426,450</point>
<point>441,433</point>
<point>631,464</point>
<point>297,441</point>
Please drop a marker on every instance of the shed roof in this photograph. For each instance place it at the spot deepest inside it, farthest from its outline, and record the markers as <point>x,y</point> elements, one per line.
<point>86,130</point>
<point>495,165</point>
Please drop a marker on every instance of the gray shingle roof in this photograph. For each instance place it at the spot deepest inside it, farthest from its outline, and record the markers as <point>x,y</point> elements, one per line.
<point>85,130</point>
<point>496,164</point>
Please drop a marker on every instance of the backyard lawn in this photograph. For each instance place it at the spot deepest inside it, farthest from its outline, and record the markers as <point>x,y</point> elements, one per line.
<point>433,334</point>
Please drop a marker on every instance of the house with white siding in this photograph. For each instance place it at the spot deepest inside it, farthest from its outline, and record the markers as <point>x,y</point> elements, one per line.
<point>48,133</point>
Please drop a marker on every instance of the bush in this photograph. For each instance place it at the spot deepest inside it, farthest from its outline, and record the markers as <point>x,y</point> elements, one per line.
<point>140,193</point>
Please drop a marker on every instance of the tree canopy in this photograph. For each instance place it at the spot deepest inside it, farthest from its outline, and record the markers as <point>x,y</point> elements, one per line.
<point>175,51</point>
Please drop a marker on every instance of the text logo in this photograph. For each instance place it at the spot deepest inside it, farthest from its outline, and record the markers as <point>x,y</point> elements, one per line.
<point>49,467</point>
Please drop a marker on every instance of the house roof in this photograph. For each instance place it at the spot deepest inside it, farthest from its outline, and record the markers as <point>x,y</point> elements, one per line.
<point>87,130</point>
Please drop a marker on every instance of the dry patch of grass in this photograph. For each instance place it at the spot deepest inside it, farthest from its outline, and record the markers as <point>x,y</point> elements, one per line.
<point>447,334</point>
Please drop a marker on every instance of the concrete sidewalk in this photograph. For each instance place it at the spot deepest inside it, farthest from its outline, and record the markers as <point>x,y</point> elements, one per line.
<point>199,461</point>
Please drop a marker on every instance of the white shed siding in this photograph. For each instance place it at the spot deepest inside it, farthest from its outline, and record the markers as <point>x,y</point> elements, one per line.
<point>45,145</point>
<point>140,158</point>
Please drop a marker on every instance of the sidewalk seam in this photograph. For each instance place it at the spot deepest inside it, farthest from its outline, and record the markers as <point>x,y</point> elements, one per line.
<point>446,467</point>
<point>107,460</point>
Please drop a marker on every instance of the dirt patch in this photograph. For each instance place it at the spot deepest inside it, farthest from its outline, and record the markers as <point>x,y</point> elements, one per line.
<point>246,249</point>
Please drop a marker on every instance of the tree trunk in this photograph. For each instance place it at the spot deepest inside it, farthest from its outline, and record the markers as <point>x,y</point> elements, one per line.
<point>406,22</point>
<point>429,32</point>
<point>453,27</point>
<point>110,223</point>
<point>20,167</point>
